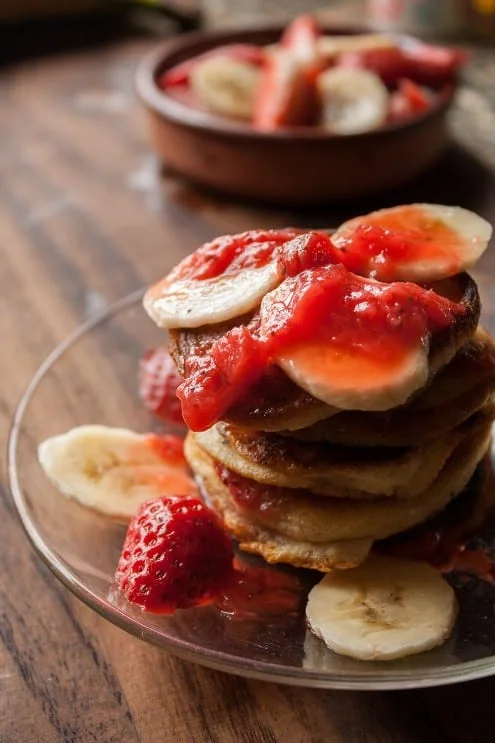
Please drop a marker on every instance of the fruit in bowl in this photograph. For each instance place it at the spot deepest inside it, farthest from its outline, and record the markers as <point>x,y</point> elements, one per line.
<point>298,115</point>
<point>344,84</point>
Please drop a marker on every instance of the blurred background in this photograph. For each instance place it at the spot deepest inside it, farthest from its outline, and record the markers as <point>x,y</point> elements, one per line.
<point>438,18</point>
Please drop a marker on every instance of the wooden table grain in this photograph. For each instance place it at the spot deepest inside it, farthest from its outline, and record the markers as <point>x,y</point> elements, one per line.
<point>86,216</point>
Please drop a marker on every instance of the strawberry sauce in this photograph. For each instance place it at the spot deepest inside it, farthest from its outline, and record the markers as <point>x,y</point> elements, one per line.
<point>324,306</point>
<point>253,592</point>
<point>249,494</point>
<point>459,540</point>
<point>228,254</point>
<point>375,244</point>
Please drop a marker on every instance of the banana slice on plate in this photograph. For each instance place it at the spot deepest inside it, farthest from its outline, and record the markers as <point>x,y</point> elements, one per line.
<point>416,242</point>
<point>191,303</point>
<point>113,470</point>
<point>226,86</point>
<point>353,100</point>
<point>386,608</point>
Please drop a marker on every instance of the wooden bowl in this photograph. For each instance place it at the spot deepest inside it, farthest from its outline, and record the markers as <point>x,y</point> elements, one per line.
<point>299,166</point>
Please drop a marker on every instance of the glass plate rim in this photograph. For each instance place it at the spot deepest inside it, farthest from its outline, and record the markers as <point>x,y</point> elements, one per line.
<point>260,670</point>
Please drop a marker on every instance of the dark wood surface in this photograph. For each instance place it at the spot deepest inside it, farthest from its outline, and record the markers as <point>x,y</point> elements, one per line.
<point>86,217</point>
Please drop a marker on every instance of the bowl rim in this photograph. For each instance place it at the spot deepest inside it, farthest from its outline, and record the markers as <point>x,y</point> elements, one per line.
<point>184,46</point>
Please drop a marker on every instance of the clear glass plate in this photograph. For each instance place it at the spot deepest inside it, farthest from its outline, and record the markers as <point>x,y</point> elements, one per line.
<point>91,378</point>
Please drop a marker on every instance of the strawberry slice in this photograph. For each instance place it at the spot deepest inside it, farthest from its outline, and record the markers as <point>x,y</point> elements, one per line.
<point>287,94</point>
<point>300,39</point>
<point>407,101</point>
<point>388,63</point>
<point>176,554</point>
<point>158,382</point>
<point>422,63</point>
<point>433,65</point>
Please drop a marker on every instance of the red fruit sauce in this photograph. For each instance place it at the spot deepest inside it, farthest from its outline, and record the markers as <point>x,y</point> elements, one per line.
<point>446,553</point>
<point>375,244</point>
<point>228,254</point>
<point>253,592</point>
<point>443,543</point>
<point>321,306</point>
<point>167,446</point>
<point>249,494</point>
<point>457,540</point>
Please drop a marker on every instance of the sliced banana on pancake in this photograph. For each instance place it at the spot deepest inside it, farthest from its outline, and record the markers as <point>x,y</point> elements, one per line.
<point>226,86</point>
<point>418,242</point>
<point>112,470</point>
<point>353,100</point>
<point>191,303</point>
<point>386,608</point>
<point>352,380</point>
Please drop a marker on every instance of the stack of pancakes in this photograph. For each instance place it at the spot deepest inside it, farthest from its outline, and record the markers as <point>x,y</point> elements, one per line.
<point>299,482</point>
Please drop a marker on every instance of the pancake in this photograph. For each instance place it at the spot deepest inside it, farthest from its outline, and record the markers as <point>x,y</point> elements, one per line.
<point>271,546</point>
<point>457,392</point>
<point>328,469</point>
<point>300,516</point>
<point>276,403</point>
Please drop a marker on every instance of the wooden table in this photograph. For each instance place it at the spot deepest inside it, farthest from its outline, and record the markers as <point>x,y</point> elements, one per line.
<point>85,218</point>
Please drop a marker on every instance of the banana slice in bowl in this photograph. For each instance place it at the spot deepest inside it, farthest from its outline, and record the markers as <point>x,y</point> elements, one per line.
<point>353,101</point>
<point>226,86</point>
<point>386,608</point>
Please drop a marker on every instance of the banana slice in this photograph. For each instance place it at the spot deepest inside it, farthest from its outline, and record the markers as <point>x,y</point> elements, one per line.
<point>226,86</point>
<point>112,470</point>
<point>353,100</point>
<point>331,47</point>
<point>385,609</point>
<point>352,380</point>
<point>423,242</point>
<point>429,241</point>
<point>191,303</point>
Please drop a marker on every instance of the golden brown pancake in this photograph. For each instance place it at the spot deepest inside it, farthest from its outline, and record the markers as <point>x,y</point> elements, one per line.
<point>302,517</point>
<point>276,403</point>
<point>328,469</point>
<point>271,546</point>
<point>459,390</point>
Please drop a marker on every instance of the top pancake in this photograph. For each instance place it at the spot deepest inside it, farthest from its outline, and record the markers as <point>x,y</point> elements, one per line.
<point>276,403</point>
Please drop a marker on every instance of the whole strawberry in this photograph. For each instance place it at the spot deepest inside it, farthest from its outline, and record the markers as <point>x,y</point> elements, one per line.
<point>176,554</point>
<point>158,382</point>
